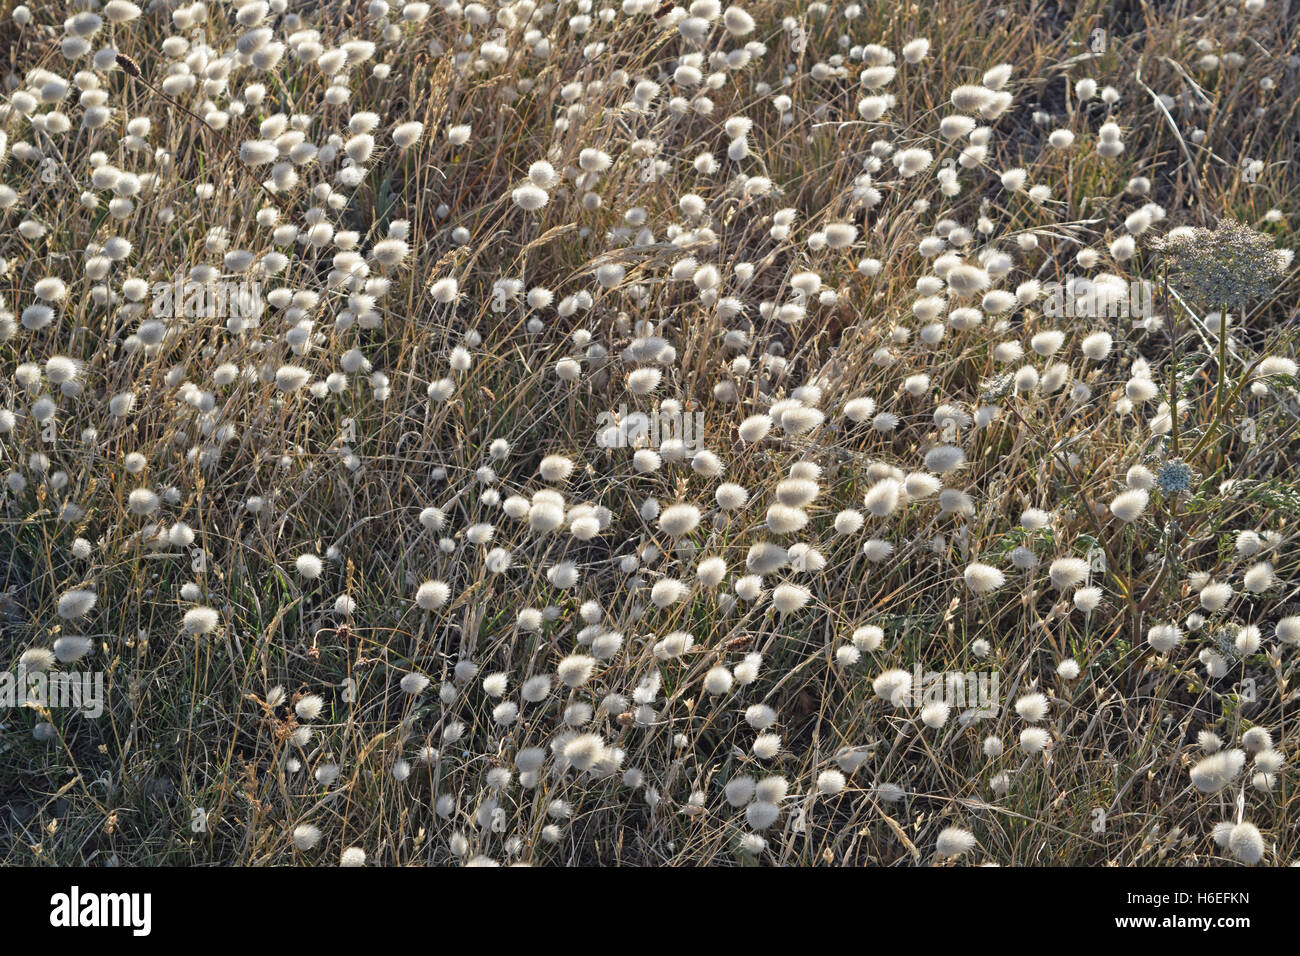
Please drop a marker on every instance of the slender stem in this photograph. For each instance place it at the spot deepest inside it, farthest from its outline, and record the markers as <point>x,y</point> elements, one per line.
<point>1173,372</point>
<point>1223,365</point>
<point>130,68</point>
<point>1221,398</point>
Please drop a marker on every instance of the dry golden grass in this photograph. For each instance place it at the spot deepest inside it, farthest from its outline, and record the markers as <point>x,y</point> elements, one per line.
<point>193,729</point>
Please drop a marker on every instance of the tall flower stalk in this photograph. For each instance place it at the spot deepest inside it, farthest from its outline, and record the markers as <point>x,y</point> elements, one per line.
<point>1228,266</point>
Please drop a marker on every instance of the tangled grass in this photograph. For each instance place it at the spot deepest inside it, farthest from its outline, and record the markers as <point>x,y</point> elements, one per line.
<point>588,427</point>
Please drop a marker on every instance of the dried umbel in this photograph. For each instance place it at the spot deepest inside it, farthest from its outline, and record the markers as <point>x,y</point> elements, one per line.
<point>1230,264</point>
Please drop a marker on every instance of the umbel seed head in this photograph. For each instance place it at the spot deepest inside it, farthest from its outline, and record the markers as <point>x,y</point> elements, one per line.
<point>1230,263</point>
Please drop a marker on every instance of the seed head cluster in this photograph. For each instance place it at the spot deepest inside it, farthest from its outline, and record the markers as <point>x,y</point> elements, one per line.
<point>599,431</point>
